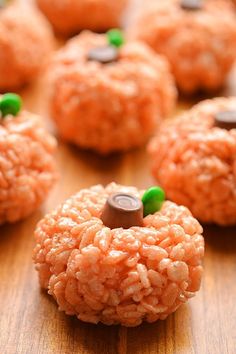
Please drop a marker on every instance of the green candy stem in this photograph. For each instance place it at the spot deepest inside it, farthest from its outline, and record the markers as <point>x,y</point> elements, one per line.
<point>10,103</point>
<point>115,38</point>
<point>152,200</point>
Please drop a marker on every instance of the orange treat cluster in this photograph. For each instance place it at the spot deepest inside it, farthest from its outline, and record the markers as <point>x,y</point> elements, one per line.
<point>27,166</point>
<point>25,43</point>
<point>200,45</point>
<point>70,17</point>
<point>109,107</point>
<point>195,162</point>
<point>118,275</point>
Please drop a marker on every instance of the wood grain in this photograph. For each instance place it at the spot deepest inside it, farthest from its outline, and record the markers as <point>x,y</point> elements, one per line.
<point>29,320</point>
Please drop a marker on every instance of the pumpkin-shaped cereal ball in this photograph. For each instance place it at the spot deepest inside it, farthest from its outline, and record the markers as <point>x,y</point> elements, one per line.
<point>71,16</point>
<point>107,95</point>
<point>198,37</point>
<point>27,165</point>
<point>194,158</point>
<point>25,42</point>
<point>104,261</point>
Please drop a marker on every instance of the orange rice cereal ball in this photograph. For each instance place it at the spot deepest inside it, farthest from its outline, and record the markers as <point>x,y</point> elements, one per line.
<point>71,16</point>
<point>102,260</point>
<point>198,38</point>
<point>107,96</point>
<point>25,41</point>
<point>194,159</point>
<point>27,166</point>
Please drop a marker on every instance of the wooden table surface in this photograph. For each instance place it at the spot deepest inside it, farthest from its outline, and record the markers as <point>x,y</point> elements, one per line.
<point>29,320</point>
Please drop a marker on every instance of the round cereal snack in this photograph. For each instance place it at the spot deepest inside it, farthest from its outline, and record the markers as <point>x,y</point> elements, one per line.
<point>121,275</point>
<point>197,37</point>
<point>194,159</point>
<point>71,16</point>
<point>108,96</point>
<point>25,42</point>
<point>27,166</point>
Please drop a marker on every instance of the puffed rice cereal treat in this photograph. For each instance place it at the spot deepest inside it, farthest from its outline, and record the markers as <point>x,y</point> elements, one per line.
<point>198,37</point>
<point>27,166</point>
<point>118,255</point>
<point>107,95</point>
<point>25,43</point>
<point>194,159</point>
<point>71,16</point>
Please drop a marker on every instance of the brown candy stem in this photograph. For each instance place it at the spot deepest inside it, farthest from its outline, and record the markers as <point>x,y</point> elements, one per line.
<point>191,5</point>
<point>103,55</point>
<point>226,119</point>
<point>122,210</point>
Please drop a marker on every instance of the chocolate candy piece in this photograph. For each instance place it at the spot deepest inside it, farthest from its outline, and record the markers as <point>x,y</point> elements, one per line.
<point>226,119</point>
<point>191,5</point>
<point>122,210</point>
<point>103,55</point>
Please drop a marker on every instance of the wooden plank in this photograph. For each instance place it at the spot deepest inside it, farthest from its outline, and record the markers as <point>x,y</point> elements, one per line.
<point>29,320</point>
